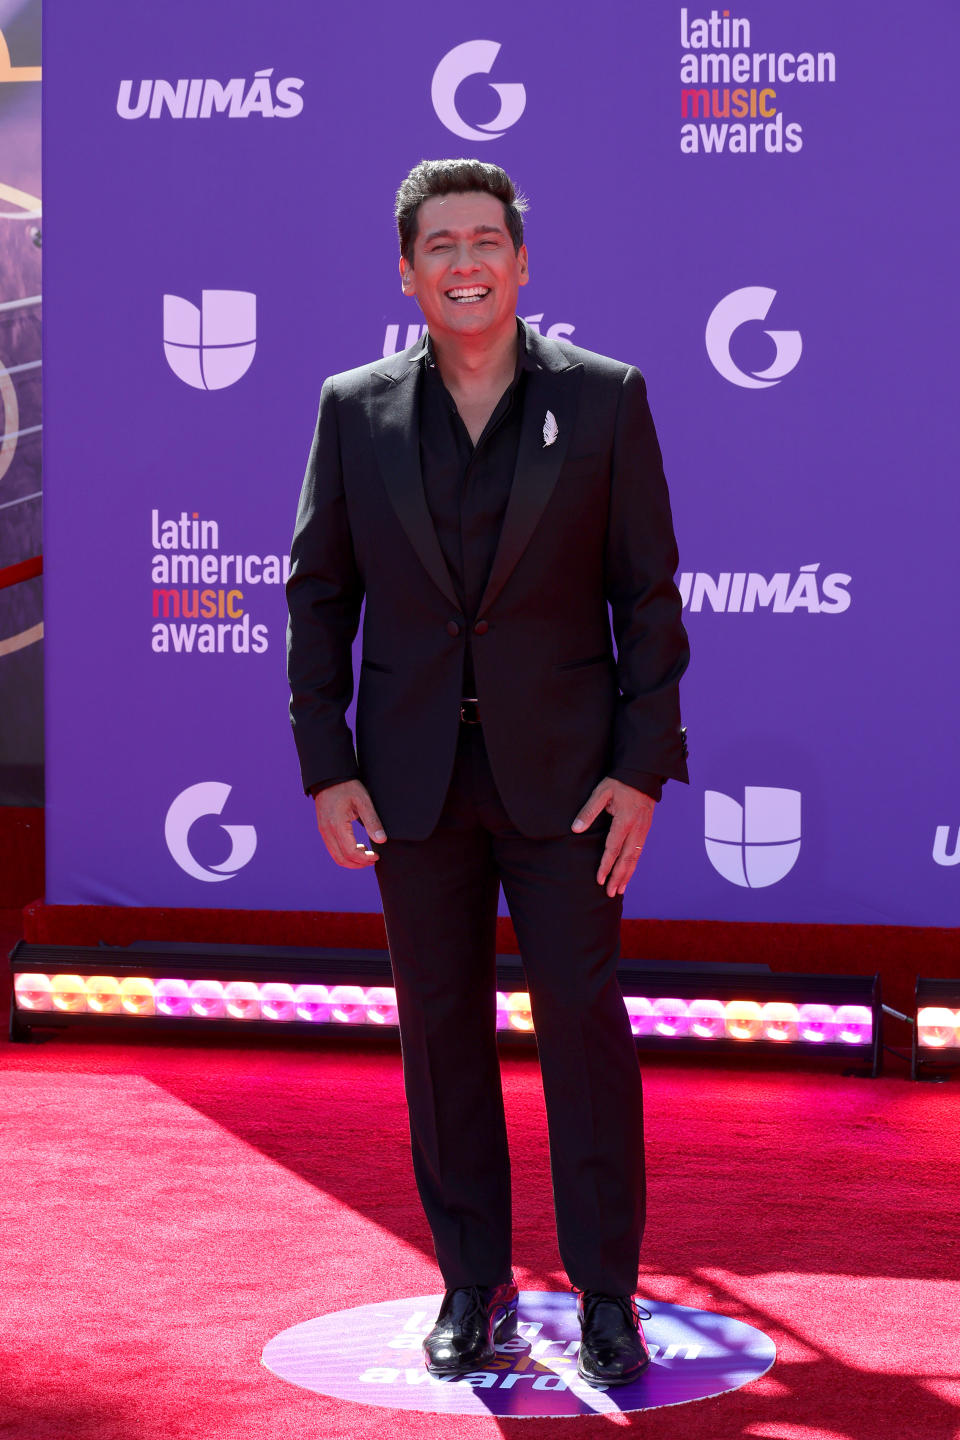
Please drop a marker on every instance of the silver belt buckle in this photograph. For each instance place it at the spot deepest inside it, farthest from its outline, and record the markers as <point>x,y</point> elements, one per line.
<point>470,711</point>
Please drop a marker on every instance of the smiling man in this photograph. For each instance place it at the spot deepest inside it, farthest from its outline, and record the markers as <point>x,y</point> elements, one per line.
<point>496,500</point>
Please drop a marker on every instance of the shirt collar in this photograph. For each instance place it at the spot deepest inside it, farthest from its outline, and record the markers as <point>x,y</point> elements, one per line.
<point>525,360</point>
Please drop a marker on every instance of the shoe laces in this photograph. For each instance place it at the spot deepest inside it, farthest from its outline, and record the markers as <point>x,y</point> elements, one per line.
<point>473,1303</point>
<point>632,1312</point>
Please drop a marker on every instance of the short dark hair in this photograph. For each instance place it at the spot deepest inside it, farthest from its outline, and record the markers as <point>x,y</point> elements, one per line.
<point>456,177</point>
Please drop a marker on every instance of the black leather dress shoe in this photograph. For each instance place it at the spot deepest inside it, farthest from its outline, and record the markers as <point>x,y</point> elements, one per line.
<point>613,1350</point>
<point>471,1319</point>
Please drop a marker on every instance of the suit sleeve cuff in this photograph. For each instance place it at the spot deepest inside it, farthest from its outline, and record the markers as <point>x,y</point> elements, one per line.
<point>641,780</point>
<point>326,784</point>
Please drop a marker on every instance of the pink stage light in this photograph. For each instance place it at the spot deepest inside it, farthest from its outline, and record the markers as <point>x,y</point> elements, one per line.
<point>242,1000</point>
<point>206,999</point>
<point>313,1003</point>
<point>854,1024</point>
<point>34,992</point>
<point>817,1024</point>
<point>780,1021</point>
<point>640,1012</point>
<point>137,995</point>
<point>277,1001</point>
<point>69,993</point>
<point>671,1017</point>
<point>937,1027</point>
<point>347,1005</point>
<point>503,1011</point>
<point>172,997</point>
<point>708,1019</point>
<point>743,1020</point>
<point>381,1005</point>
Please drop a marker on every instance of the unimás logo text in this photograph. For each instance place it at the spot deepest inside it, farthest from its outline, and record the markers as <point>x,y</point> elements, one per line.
<point>474,57</point>
<point>211,345</point>
<point>206,798</point>
<point>740,592</point>
<point>942,853</point>
<point>236,99</point>
<point>395,334</point>
<point>757,843</point>
<point>739,308</point>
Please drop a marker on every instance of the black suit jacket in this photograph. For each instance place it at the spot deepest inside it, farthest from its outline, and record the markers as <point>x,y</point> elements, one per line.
<point>587,525</point>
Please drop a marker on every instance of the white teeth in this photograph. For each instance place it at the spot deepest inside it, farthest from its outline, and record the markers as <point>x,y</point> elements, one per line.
<point>473,292</point>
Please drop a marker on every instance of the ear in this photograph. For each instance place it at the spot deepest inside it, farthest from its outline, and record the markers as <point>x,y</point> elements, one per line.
<point>523,265</point>
<point>407,280</point>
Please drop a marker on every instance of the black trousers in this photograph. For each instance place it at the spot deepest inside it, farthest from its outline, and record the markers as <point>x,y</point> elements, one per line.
<point>440,905</point>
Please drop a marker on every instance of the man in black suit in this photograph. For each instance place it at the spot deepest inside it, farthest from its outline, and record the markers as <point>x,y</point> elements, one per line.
<point>495,498</point>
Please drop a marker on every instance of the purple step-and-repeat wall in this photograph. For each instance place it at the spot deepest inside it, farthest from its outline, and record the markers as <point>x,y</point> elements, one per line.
<point>754,206</point>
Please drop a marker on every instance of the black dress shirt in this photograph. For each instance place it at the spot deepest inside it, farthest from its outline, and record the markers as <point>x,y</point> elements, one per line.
<point>467,487</point>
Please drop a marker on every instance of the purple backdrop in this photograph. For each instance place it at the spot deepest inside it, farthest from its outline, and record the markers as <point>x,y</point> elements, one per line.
<point>755,210</point>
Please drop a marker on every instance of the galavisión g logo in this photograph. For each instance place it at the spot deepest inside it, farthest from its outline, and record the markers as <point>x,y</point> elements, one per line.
<point>474,57</point>
<point>739,308</point>
<point>207,798</point>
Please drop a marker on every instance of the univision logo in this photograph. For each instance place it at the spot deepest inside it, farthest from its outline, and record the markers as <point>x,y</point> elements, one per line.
<point>212,345</point>
<point>757,843</point>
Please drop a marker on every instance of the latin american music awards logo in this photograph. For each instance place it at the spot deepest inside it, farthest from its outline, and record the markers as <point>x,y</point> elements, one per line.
<point>474,57</point>
<point>211,345</point>
<point>372,1354</point>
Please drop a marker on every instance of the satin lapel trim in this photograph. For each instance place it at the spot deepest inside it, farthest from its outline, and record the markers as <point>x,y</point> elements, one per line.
<point>396,441</point>
<point>538,466</point>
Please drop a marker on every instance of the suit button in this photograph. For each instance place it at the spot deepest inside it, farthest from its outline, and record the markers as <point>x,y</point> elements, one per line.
<point>481,627</point>
<point>453,629</point>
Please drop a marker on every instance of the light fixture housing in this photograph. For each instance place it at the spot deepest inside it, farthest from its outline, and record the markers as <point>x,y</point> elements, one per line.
<point>675,1006</point>
<point>936,1030</point>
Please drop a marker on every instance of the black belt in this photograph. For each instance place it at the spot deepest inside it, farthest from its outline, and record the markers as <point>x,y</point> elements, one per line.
<point>470,711</point>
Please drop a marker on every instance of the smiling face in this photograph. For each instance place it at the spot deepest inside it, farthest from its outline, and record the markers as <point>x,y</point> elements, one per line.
<point>465,272</point>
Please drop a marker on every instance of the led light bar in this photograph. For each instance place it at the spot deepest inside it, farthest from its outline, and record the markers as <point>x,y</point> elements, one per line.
<point>749,1007</point>
<point>678,1007</point>
<point>936,1033</point>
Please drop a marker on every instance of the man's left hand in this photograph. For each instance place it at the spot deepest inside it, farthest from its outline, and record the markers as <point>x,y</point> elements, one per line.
<point>632,813</point>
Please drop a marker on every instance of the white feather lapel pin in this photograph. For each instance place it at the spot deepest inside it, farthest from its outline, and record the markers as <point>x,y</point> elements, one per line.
<point>550,428</point>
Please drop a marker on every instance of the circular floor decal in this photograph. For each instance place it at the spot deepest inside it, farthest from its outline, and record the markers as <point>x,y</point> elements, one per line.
<point>372,1354</point>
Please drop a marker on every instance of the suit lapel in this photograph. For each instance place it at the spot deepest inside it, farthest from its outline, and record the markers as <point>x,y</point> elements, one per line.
<point>396,439</point>
<point>554,386</point>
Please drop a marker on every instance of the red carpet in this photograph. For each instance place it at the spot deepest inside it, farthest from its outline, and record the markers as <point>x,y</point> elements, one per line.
<point>169,1207</point>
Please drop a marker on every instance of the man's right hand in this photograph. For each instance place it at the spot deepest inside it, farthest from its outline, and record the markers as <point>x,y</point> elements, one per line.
<point>337,808</point>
